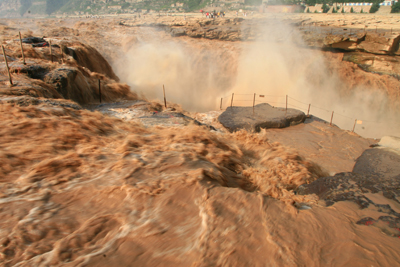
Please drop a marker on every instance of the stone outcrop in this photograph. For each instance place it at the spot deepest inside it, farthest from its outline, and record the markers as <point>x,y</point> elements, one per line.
<point>370,51</point>
<point>265,116</point>
<point>368,42</point>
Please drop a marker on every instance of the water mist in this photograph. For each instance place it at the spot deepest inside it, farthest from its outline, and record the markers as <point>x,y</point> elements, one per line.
<point>277,64</point>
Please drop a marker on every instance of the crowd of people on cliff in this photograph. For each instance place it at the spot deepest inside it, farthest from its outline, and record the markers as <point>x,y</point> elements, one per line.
<point>213,14</point>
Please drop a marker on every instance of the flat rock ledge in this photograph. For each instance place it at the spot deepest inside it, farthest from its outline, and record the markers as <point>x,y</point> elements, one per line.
<point>265,116</point>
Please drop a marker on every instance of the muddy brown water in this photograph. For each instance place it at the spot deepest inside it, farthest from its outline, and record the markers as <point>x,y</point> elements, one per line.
<point>83,188</point>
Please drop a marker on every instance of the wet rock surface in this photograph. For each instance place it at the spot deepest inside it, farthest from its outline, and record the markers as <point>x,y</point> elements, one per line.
<point>170,119</point>
<point>374,181</point>
<point>265,116</point>
<point>148,114</point>
<point>34,71</point>
<point>63,80</point>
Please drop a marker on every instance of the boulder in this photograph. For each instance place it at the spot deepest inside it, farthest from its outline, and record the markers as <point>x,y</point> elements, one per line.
<point>264,116</point>
<point>378,162</point>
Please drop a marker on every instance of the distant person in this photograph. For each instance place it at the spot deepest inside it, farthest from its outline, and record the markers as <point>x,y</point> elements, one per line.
<point>207,15</point>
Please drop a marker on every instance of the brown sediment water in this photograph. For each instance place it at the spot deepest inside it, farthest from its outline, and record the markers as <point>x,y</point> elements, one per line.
<point>83,188</point>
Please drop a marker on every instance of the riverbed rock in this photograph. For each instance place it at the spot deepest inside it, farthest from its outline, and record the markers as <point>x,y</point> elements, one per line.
<point>374,181</point>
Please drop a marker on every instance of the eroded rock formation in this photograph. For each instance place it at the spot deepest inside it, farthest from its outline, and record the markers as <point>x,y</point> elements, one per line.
<point>72,71</point>
<point>368,42</point>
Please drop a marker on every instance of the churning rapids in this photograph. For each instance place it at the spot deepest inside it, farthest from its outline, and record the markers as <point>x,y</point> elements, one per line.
<point>129,182</point>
